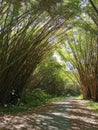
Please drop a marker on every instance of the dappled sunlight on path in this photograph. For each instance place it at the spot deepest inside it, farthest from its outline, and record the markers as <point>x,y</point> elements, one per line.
<point>67,114</point>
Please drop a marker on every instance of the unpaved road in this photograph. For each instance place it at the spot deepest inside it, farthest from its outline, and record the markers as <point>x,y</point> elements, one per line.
<point>67,114</point>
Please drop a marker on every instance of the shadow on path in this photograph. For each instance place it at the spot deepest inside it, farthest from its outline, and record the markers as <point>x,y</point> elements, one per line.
<point>67,114</point>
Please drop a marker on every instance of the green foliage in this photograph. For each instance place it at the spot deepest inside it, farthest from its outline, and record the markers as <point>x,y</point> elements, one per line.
<point>30,100</point>
<point>36,97</point>
<point>51,77</point>
<point>80,97</point>
<point>72,89</point>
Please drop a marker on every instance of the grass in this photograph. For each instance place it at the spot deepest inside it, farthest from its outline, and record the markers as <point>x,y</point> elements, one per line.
<point>92,105</point>
<point>80,97</point>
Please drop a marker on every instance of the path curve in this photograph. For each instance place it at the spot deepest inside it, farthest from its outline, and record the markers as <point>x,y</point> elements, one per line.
<point>67,114</point>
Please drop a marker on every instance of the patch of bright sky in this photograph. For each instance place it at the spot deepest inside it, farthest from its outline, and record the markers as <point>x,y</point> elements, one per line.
<point>52,40</point>
<point>58,58</point>
<point>86,2</point>
<point>83,3</point>
<point>68,64</point>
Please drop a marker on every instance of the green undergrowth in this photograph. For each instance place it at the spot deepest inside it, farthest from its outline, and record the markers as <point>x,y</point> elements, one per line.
<point>31,101</point>
<point>92,105</point>
<point>80,97</point>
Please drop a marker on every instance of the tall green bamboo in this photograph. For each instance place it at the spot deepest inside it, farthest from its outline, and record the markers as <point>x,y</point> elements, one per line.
<point>27,35</point>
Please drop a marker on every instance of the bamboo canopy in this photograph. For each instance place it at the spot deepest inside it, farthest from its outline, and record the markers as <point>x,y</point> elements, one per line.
<point>26,37</point>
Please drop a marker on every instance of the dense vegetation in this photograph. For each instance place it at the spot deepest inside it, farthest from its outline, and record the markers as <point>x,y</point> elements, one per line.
<point>52,77</point>
<point>32,32</point>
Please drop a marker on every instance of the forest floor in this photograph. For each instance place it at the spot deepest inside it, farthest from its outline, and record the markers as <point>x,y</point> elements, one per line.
<point>66,114</point>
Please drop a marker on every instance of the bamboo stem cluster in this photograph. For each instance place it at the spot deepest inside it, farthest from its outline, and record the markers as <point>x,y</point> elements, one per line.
<point>25,40</point>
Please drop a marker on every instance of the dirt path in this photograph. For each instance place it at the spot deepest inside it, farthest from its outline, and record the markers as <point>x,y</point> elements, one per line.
<point>67,114</point>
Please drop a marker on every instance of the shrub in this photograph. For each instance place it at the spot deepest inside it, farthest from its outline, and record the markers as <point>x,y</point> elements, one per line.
<point>36,97</point>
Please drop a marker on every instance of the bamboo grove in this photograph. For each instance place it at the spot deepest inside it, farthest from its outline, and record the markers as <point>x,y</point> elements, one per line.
<point>27,34</point>
<point>29,30</point>
<point>81,56</point>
